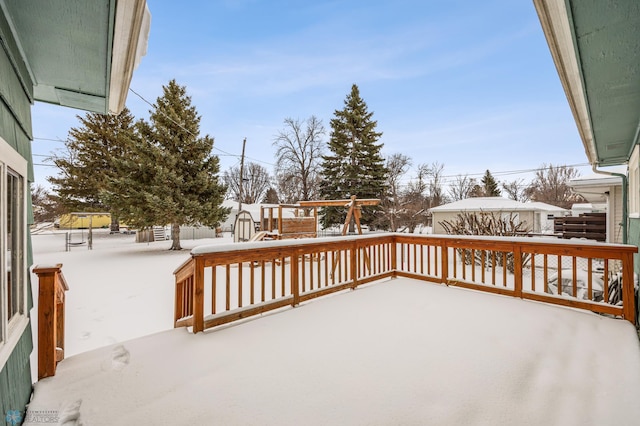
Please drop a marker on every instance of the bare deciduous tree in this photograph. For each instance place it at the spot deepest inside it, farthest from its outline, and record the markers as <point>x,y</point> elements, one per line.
<point>461,187</point>
<point>46,206</point>
<point>298,155</point>
<point>392,202</point>
<point>255,183</point>
<point>551,185</point>
<point>516,190</point>
<point>433,175</point>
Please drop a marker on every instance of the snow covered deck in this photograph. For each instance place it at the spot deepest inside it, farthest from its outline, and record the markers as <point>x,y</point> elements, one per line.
<point>398,351</point>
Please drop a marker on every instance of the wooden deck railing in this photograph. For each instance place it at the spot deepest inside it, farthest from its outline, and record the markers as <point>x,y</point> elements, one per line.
<point>248,279</point>
<point>51,294</point>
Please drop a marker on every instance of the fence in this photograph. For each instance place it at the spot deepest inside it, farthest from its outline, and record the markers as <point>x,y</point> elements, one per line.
<point>592,226</point>
<point>252,278</point>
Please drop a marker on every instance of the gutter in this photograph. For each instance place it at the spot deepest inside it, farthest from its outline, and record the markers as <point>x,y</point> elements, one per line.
<point>625,197</point>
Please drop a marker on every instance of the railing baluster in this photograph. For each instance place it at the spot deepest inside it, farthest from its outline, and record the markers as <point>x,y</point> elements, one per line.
<point>228,287</point>
<point>605,280</point>
<point>493,267</point>
<point>533,271</point>
<point>590,278</point>
<point>252,283</point>
<point>574,262</point>
<point>240,267</point>
<point>473,265</point>
<point>213,289</point>
<point>545,278</point>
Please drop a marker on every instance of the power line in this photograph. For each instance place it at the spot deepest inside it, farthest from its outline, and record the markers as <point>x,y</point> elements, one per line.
<point>49,139</point>
<point>176,123</point>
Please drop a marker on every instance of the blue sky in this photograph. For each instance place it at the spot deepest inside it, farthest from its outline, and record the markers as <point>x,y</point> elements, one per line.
<point>468,84</point>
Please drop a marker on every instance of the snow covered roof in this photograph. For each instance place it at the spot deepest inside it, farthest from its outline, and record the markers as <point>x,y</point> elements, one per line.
<point>546,207</point>
<point>489,204</point>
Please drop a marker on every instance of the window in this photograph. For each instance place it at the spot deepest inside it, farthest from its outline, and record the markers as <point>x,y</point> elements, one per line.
<point>13,309</point>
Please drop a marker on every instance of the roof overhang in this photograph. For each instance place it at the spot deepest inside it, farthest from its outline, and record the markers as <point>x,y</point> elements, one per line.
<point>594,45</point>
<point>80,54</point>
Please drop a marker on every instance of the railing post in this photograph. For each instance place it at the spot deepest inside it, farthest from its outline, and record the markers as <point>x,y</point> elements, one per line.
<point>628,300</point>
<point>52,286</point>
<point>198,295</point>
<point>394,257</point>
<point>517,270</point>
<point>295,284</point>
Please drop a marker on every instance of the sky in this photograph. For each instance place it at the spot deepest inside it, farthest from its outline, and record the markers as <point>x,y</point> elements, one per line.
<point>470,85</point>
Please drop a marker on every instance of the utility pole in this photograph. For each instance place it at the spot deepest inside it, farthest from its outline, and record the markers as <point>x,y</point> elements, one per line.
<point>244,142</point>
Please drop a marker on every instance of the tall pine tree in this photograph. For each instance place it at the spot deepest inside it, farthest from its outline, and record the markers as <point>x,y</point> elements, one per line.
<point>490,186</point>
<point>355,165</point>
<point>88,163</point>
<point>169,175</point>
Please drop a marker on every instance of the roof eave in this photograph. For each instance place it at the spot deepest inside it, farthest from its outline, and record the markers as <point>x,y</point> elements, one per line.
<point>130,38</point>
<point>556,25</point>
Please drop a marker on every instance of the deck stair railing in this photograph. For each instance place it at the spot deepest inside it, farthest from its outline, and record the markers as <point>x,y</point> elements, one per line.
<point>223,283</point>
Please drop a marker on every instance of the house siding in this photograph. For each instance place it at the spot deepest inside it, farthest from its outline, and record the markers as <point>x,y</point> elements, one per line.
<point>15,129</point>
<point>634,239</point>
<point>15,377</point>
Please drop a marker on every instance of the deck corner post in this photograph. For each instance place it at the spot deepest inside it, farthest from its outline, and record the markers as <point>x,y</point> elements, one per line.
<point>444,266</point>
<point>394,257</point>
<point>517,270</point>
<point>628,291</point>
<point>198,296</point>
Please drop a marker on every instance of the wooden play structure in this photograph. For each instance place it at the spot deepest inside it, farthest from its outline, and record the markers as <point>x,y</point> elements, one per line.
<point>304,223</point>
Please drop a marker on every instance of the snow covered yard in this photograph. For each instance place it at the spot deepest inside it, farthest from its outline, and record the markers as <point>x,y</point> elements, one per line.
<point>394,352</point>
<point>117,291</point>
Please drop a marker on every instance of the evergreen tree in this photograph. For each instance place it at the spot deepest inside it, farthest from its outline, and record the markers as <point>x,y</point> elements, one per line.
<point>355,165</point>
<point>88,163</point>
<point>271,197</point>
<point>169,175</point>
<point>490,186</point>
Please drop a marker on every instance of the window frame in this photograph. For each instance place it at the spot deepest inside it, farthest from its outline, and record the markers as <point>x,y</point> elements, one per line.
<point>11,330</point>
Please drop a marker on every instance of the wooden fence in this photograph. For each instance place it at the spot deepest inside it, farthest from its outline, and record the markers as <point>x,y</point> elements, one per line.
<point>248,279</point>
<point>592,226</point>
<point>51,295</point>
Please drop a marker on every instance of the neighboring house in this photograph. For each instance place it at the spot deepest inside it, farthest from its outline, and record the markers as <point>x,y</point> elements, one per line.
<point>595,49</point>
<point>78,54</point>
<point>538,217</point>
<point>600,189</point>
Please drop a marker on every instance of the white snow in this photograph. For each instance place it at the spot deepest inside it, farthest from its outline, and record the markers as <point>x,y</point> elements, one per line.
<point>394,352</point>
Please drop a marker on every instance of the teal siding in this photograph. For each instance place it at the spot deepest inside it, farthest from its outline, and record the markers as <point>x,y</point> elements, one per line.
<point>15,377</point>
<point>634,239</point>
<point>15,129</point>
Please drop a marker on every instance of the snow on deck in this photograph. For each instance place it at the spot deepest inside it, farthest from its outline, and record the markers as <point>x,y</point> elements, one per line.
<point>394,352</point>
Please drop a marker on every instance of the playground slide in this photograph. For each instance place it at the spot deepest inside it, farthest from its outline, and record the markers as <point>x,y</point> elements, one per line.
<point>258,236</point>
